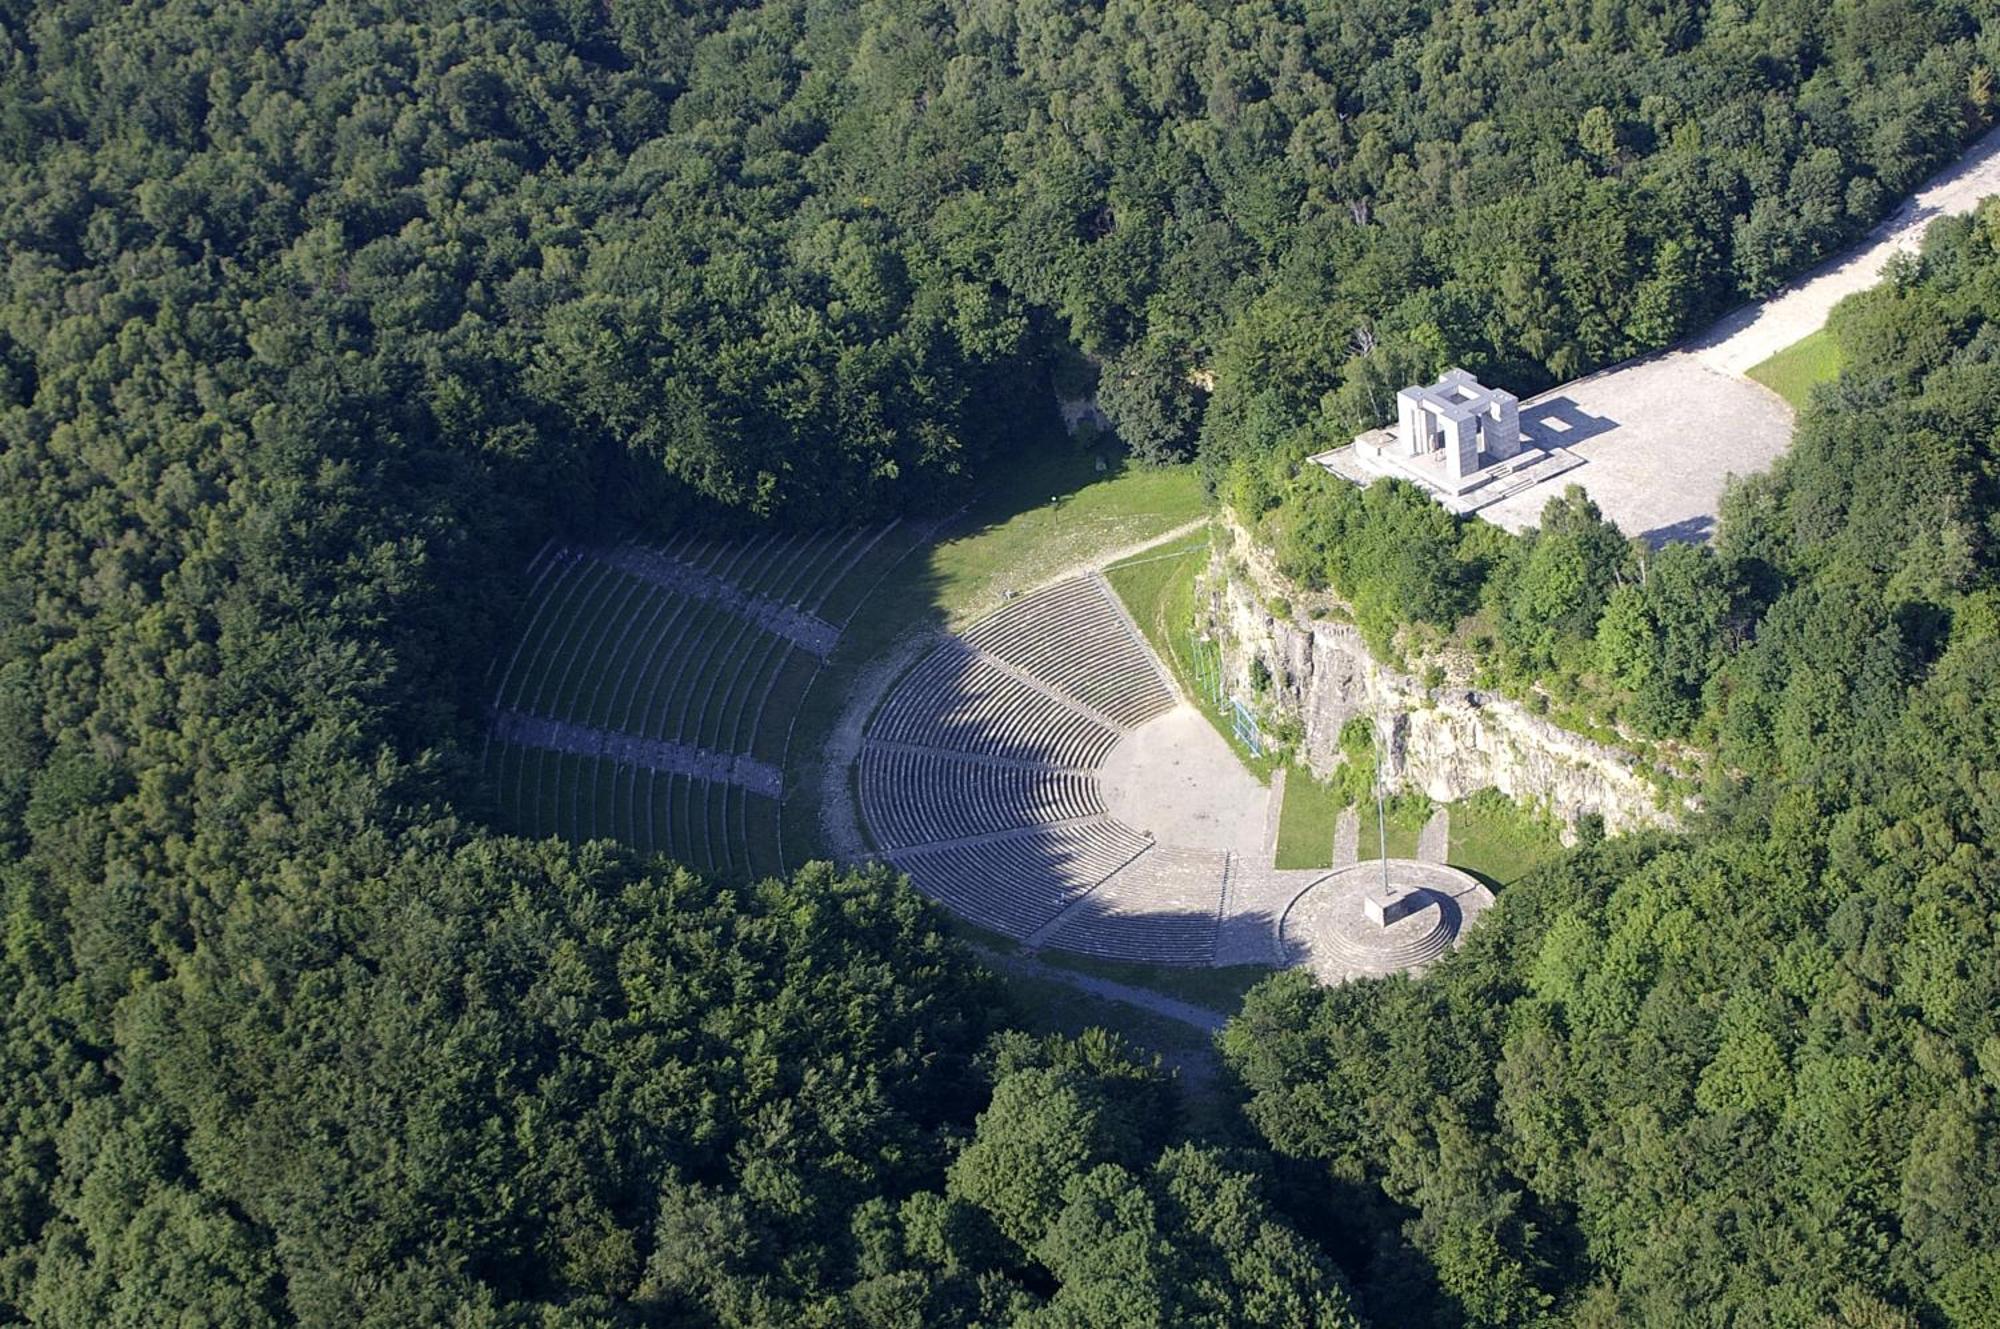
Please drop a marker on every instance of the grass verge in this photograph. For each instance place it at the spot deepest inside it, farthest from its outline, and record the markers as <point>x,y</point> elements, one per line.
<point>1306,820</point>
<point>1793,372</point>
<point>1048,1006</point>
<point>1220,990</point>
<point>1157,588</point>
<point>1403,819</point>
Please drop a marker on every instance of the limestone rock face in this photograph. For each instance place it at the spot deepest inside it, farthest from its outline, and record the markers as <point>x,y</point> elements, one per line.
<point>1447,741</point>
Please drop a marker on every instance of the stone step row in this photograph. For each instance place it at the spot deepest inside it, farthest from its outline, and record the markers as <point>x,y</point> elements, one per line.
<point>915,796</point>
<point>1015,882</point>
<point>955,700</point>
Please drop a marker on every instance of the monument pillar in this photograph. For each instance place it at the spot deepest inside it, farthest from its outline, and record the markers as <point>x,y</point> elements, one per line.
<point>1503,427</point>
<point>1461,445</point>
<point>1412,430</point>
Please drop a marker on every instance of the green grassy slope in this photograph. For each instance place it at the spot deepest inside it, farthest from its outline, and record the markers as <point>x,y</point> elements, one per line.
<point>1793,372</point>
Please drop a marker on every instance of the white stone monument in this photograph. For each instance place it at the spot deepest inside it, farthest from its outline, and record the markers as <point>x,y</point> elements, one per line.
<point>1457,425</point>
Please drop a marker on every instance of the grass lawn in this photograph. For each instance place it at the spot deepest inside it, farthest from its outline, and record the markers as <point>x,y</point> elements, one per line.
<point>1792,372</point>
<point>1014,538</point>
<point>1402,842</point>
<point>1020,539</point>
<point>1497,840</point>
<point>1306,820</point>
<point>1050,1006</point>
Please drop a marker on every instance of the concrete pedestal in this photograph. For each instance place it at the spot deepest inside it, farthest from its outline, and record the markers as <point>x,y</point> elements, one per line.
<point>1393,905</point>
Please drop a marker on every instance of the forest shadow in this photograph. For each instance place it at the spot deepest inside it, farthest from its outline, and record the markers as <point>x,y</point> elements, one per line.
<point>1692,530</point>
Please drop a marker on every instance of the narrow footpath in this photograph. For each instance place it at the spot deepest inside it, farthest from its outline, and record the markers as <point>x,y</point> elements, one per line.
<point>1181,1012</point>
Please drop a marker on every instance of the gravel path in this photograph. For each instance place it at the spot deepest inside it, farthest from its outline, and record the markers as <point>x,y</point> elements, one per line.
<point>1274,810</point>
<point>1434,840</point>
<point>1347,839</point>
<point>997,595</point>
<point>840,832</point>
<point>1756,332</point>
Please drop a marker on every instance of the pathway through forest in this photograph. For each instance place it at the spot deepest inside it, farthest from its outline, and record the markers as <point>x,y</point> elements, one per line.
<point>1754,333</point>
<point>1661,435</point>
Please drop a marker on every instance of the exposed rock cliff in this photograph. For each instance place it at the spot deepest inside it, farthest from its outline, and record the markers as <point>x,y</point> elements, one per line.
<point>1447,741</point>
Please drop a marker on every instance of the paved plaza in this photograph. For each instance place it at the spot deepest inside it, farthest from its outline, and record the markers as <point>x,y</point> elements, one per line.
<point>1654,441</point>
<point>1176,779</point>
<point>1658,439</point>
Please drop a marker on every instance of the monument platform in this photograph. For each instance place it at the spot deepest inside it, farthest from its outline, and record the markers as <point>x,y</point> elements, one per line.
<point>1375,454</point>
<point>1347,925</point>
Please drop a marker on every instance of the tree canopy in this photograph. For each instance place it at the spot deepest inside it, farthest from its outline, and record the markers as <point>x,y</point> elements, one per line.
<point>317,319</point>
<point>1747,1072</point>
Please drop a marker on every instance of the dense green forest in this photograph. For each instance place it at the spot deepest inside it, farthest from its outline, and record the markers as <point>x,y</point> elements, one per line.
<point>1570,610</point>
<point>1749,1075</point>
<point>316,319</point>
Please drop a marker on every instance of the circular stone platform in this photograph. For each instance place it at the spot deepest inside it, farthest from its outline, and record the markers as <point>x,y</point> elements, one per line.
<point>1329,925</point>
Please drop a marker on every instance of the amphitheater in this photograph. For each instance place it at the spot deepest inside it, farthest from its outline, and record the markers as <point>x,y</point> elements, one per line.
<point>1038,773</point>
<point>1041,776</point>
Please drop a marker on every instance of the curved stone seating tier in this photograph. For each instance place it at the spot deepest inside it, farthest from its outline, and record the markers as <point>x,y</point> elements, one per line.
<point>1075,640</point>
<point>624,654</point>
<point>1158,909</point>
<point>637,668</point>
<point>978,778</point>
<point>957,701</point>
<point>1015,883</point>
<point>710,826</point>
<point>913,796</point>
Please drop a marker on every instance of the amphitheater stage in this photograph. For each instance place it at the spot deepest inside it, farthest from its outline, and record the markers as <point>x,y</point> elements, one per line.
<point>1174,778</point>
